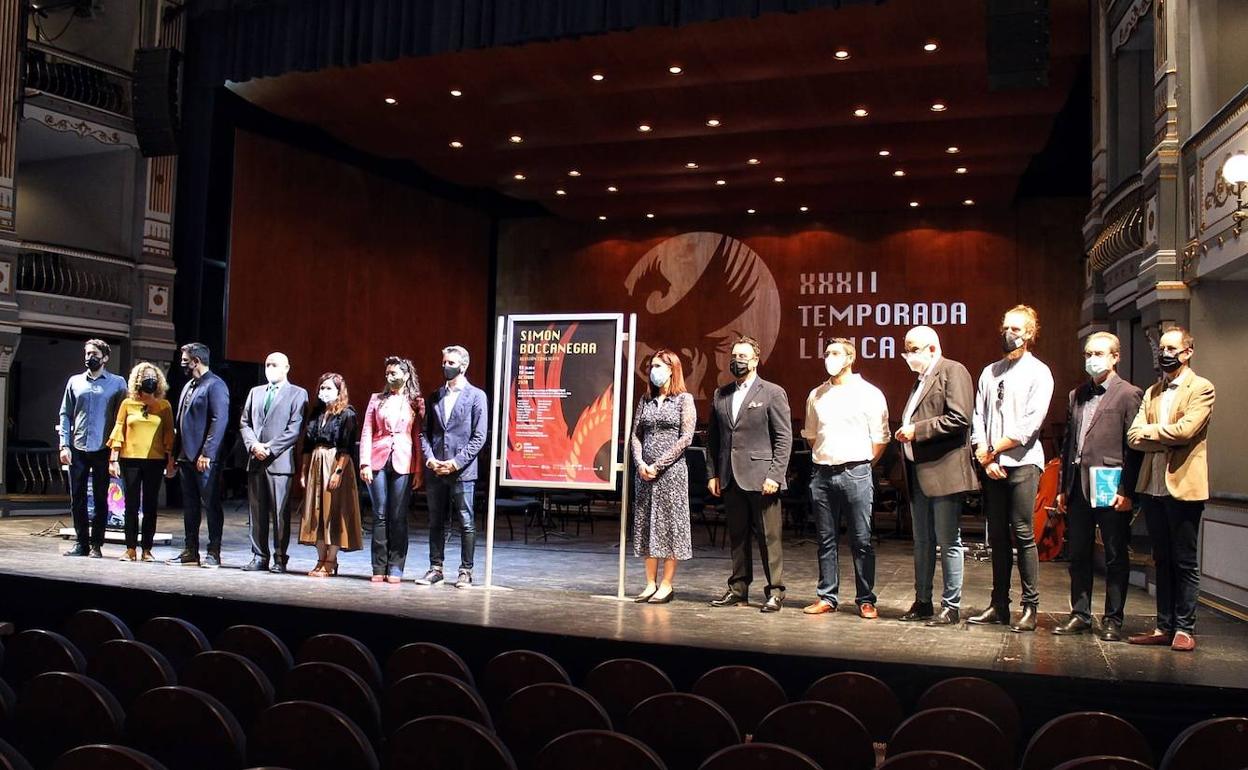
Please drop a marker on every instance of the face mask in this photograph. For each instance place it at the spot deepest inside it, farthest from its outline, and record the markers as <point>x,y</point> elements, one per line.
<point>834,365</point>
<point>94,363</point>
<point>659,377</point>
<point>274,375</point>
<point>450,372</point>
<point>188,370</point>
<point>916,361</point>
<point>1096,365</point>
<point>1010,342</point>
<point>328,395</point>
<point>739,368</point>
<point>1168,362</point>
<point>148,385</point>
<point>395,380</point>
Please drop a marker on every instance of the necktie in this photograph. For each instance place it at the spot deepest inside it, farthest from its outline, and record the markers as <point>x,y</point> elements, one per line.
<point>268,401</point>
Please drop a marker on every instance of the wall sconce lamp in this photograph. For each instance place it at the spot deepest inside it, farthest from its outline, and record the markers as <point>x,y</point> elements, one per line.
<point>1235,172</point>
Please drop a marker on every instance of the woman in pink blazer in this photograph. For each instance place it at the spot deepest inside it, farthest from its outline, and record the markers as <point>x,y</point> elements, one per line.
<point>391,463</point>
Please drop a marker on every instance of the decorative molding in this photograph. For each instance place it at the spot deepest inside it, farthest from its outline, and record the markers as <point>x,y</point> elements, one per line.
<point>6,277</point>
<point>82,128</point>
<point>11,32</point>
<point>1130,21</point>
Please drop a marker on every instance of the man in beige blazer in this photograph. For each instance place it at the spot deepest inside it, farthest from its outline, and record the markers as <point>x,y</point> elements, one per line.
<point>1172,429</point>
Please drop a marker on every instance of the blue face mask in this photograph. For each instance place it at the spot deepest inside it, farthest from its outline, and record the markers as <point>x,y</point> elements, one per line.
<point>659,377</point>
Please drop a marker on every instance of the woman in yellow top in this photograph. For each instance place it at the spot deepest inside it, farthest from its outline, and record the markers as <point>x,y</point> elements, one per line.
<point>142,444</point>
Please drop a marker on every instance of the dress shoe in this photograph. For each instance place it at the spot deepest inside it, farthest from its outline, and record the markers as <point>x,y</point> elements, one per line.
<point>1073,625</point>
<point>645,595</point>
<point>1183,642</point>
<point>81,549</point>
<point>730,599</point>
<point>96,553</point>
<point>819,607</point>
<point>868,611</point>
<point>919,611</point>
<point>185,559</point>
<point>432,577</point>
<point>1156,637</point>
<point>661,597</point>
<point>257,564</point>
<point>464,579</point>
<point>948,617</point>
<point>990,616</point>
<point>773,604</point>
<point>1111,631</point>
<point>212,560</point>
<point>1027,621</point>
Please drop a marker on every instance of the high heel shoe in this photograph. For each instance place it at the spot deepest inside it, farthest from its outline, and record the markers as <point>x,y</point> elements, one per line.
<point>318,570</point>
<point>331,568</point>
<point>664,599</point>
<point>644,596</point>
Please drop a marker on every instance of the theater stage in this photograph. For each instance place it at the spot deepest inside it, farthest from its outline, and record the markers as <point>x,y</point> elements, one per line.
<point>555,602</point>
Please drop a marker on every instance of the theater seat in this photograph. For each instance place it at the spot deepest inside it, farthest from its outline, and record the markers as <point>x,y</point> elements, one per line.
<point>35,651</point>
<point>129,668</point>
<point>746,693</point>
<point>339,687</point>
<point>1104,763</point>
<point>759,756</point>
<point>929,760</point>
<point>608,750</point>
<point>186,729</point>
<point>458,744</point>
<point>233,680</point>
<point>261,647</point>
<point>345,651</point>
<point>104,756</point>
<point>862,695</point>
<point>957,731</point>
<point>1081,734</point>
<point>88,629</point>
<point>59,710</point>
<point>1215,744</point>
<point>510,671</point>
<point>423,695</point>
<point>620,684</point>
<point>11,758</point>
<point>426,658</point>
<point>312,736</point>
<point>979,695</point>
<point>178,640</point>
<point>535,715</point>
<point>682,728</point>
<point>828,734</point>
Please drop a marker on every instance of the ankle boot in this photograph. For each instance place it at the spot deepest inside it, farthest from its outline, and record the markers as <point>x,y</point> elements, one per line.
<point>990,616</point>
<point>1026,621</point>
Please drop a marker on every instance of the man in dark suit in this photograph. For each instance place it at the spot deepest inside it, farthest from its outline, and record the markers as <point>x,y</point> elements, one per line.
<point>935,435</point>
<point>1098,416</point>
<point>748,445</point>
<point>203,409</point>
<point>270,425</point>
<point>456,423</point>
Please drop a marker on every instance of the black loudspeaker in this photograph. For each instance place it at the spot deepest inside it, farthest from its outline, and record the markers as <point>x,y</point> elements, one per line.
<point>1018,44</point>
<point>155,99</point>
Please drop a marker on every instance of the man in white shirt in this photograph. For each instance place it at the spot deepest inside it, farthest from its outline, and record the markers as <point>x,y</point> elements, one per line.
<point>847,427</point>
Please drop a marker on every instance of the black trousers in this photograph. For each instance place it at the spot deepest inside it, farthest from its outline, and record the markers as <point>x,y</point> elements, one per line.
<point>754,516</point>
<point>201,494</point>
<point>142,478</point>
<point>1081,523</point>
<point>1009,503</point>
<point>90,467</point>
<point>390,493</point>
<point>1173,526</point>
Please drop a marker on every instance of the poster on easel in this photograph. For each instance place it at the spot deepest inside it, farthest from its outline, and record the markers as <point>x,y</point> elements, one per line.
<point>561,418</point>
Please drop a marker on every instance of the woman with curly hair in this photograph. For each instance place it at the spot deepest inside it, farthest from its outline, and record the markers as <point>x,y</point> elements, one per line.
<point>142,452</point>
<point>331,504</point>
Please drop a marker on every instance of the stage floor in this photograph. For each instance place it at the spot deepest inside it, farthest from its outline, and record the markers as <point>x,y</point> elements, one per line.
<point>566,587</point>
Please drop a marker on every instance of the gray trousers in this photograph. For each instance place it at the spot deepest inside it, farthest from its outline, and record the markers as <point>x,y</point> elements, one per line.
<point>268,498</point>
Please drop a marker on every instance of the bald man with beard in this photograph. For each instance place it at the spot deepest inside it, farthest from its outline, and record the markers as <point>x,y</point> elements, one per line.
<point>271,423</point>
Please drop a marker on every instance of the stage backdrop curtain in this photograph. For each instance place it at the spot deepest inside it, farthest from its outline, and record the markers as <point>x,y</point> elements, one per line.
<point>261,38</point>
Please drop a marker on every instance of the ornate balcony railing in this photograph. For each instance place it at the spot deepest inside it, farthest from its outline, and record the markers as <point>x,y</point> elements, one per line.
<point>77,79</point>
<point>75,275</point>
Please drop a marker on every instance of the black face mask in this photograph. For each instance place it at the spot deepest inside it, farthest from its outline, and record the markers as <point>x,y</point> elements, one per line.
<point>188,370</point>
<point>450,372</point>
<point>94,363</point>
<point>148,385</point>
<point>739,368</point>
<point>1010,342</point>
<point>1168,362</point>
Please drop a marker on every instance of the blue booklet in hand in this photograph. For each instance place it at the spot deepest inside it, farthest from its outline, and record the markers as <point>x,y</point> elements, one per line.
<point>1104,482</point>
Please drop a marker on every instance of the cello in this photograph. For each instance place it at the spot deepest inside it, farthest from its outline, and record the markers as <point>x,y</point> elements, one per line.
<point>1048,524</point>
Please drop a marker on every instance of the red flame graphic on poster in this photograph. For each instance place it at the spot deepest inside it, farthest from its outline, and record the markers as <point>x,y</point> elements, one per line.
<point>558,366</point>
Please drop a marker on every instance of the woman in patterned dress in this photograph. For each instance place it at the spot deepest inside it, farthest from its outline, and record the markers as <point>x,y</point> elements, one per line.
<point>662,430</point>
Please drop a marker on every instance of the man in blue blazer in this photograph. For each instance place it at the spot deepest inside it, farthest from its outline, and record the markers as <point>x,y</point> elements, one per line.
<point>456,422</point>
<point>203,410</point>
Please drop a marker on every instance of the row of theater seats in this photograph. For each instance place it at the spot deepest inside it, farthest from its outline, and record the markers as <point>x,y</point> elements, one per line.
<point>102,697</point>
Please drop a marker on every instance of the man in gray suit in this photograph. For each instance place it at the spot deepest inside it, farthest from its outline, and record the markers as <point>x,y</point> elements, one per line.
<point>748,444</point>
<point>935,436</point>
<point>271,424</point>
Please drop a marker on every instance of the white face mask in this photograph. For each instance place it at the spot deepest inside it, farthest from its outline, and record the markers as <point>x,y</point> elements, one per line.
<point>835,365</point>
<point>1095,366</point>
<point>918,361</point>
<point>274,374</point>
<point>328,394</point>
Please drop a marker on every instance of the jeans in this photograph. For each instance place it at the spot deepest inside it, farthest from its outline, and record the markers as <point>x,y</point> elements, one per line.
<point>1174,526</point>
<point>1009,504</point>
<point>1081,523</point>
<point>935,522</point>
<point>93,467</point>
<point>142,479</point>
<point>449,498</point>
<point>201,494</point>
<point>844,492</point>
<point>390,493</point>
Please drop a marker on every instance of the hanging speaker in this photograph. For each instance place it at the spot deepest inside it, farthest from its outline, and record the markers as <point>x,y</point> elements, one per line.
<point>155,100</point>
<point>1018,44</point>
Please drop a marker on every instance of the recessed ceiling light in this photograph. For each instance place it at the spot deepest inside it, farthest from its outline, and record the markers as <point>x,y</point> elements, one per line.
<point>861,112</point>
<point>885,153</point>
<point>930,46</point>
<point>803,208</point>
<point>602,218</point>
<point>750,211</point>
<point>613,188</point>
<point>645,128</point>
<point>574,172</point>
<point>691,165</point>
<point>953,150</point>
<point>455,92</point>
<point>841,54</point>
<point>675,69</point>
<point>561,192</point>
<point>968,202</point>
<point>518,177</point>
<point>597,77</point>
<point>713,122</point>
<point>778,180</point>
<point>456,144</point>
<point>515,139</point>
<point>391,100</point>
<point>899,172</point>
<point>960,170</point>
<point>939,107</point>
<point>649,216</point>
<point>721,182</point>
<point>753,161</point>
<point>914,204</point>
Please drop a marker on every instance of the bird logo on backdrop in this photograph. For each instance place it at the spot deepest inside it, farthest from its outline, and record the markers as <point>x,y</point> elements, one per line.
<point>699,292</point>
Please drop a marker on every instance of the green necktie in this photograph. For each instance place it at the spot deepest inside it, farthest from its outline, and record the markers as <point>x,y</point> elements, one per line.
<point>268,400</point>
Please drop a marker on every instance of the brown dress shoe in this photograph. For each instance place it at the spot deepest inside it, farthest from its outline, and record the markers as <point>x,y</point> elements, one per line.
<point>1151,637</point>
<point>818,607</point>
<point>867,610</point>
<point>1183,642</point>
